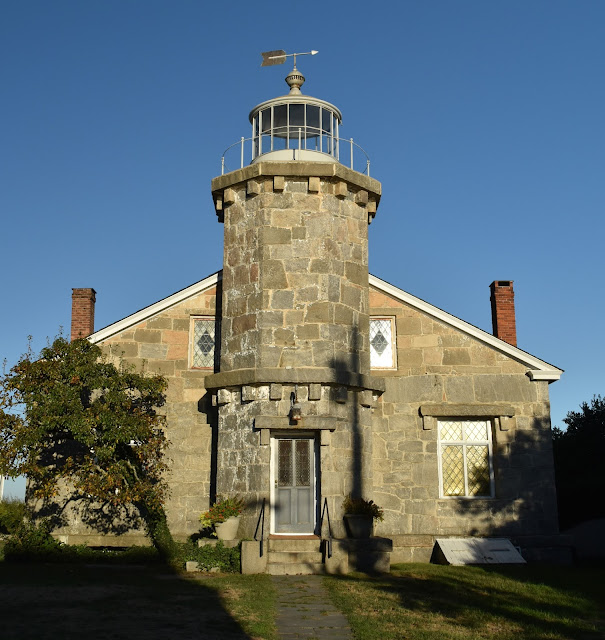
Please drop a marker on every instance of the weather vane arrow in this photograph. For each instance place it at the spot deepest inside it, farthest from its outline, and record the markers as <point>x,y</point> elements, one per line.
<point>279,57</point>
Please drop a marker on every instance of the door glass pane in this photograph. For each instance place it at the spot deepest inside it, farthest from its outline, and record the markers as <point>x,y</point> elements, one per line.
<point>284,464</point>
<point>303,463</point>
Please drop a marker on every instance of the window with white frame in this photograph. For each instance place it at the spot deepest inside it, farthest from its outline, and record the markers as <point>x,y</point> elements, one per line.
<point>204,343</point>
<point>465,458</point>
<point>382,343</point>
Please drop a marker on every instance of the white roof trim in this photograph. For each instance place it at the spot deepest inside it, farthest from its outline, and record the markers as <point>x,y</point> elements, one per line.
<point>154,309</point>
<point>537,369</point>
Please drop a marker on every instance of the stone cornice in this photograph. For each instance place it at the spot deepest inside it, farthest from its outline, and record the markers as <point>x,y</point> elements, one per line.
<point>298,169</point>
<point>316,423</point>
<point>451,410</point>
<point>298,375</point>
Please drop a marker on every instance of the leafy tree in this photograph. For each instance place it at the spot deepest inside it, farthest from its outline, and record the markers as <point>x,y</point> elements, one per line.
<point>68,416</point>
<point>579,453</point>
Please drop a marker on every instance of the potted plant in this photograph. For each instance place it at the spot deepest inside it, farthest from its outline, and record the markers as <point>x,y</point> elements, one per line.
<point>224,516</point>
<point>359,516</point>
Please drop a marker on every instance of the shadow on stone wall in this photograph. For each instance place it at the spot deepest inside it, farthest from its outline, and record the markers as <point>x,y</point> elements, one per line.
<point>204,406</point>
<point>346,370</point>
<point>81,516</point>
<point>525,497</point>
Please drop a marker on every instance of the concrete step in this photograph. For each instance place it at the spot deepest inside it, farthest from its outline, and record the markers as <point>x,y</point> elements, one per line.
<point>294,557</point>
<point>295,544</point>
<point>294,569</point>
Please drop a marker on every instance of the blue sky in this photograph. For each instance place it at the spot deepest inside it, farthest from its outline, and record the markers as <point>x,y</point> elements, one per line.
<point>483,121</point>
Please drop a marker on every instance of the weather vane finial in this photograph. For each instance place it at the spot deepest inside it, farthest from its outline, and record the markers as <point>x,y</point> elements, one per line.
<point>295,78</point>
<point>279,57</point>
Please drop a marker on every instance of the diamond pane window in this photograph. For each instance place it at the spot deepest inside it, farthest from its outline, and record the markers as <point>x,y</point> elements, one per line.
<point>303,463</point>
<point>204,348</point>
<point>285,470</point>
<point>382,352</point>
<point>465,458</point>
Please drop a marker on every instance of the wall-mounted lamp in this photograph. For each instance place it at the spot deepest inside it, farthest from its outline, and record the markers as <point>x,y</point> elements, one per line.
<point>295,408</point>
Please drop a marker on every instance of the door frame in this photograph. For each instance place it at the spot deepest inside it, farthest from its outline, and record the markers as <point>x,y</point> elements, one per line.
<point>293,435</point>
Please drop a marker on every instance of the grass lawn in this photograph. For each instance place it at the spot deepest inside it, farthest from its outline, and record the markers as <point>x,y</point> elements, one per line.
<point>114,602</point>
<point>422,602</point>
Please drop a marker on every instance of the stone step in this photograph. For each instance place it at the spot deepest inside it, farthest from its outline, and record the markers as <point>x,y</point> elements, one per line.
<point>294,544</point>
<point>294,569</point>
<point>294,557</point>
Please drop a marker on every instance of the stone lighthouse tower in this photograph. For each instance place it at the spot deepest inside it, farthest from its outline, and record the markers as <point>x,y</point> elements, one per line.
<point>294,391</point>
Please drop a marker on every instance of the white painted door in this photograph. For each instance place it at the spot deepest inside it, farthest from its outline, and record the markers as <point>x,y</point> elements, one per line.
<point>294,472</point>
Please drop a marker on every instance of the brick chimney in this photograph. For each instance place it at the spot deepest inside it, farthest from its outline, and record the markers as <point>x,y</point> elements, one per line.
<point>82,313</point>
<point>503,311</point>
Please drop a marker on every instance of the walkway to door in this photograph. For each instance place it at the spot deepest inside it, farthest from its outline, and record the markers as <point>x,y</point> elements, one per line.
<point>304,610</point>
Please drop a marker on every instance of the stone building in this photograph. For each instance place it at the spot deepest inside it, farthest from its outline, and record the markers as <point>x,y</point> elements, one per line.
<point>296,378</point>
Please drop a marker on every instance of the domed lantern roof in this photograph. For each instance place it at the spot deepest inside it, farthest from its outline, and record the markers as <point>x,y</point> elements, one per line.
<point>295,126</point>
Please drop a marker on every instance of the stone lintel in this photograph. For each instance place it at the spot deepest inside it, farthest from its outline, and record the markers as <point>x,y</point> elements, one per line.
<point>316,423</point>
<point>298,169</point>
<point>452,410</point>
<point>298,375</point>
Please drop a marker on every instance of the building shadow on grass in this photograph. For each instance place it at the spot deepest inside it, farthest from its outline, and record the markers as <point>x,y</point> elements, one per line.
<point>118,602</point>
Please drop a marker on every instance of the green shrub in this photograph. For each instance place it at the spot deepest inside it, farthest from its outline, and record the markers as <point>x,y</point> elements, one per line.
<point>221,510</point>
<point>226,559</point>
<point>361,507</point>
<point>33,543</point>
<point>12,514</point>
<point>30,542</point>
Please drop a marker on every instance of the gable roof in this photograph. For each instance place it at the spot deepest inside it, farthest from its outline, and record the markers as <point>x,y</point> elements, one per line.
<point>154,309</point>
<point>537,369</point>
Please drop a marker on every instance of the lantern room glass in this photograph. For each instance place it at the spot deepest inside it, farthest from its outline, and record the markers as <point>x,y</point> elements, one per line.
<point>295,125</point>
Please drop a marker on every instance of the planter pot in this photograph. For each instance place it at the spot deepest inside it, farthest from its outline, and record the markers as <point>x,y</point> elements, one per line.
<point>227,530</point>
<point>359,526</point>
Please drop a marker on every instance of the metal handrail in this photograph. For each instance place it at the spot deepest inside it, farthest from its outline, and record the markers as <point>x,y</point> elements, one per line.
<point>326,511</point>
<point>349,141</point>
<point>261,522</point>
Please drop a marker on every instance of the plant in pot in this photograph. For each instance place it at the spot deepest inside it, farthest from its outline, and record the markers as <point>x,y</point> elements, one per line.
<point>224,517</point>
<point>359,516</point>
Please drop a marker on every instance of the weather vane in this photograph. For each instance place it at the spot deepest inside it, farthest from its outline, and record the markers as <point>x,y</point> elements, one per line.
<point>279,57</point>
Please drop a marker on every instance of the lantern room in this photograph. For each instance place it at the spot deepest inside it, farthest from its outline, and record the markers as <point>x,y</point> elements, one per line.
<point>295,127</point>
